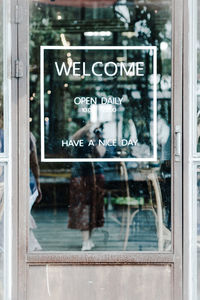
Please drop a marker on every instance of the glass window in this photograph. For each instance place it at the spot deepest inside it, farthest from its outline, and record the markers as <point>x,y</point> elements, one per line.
<point>198,81</point>
<point>198,231</point>
<point>1,150</point>
<point>100,137</point>
<point>1,229</point>
<point>198,149</point>
<point>1,79</point>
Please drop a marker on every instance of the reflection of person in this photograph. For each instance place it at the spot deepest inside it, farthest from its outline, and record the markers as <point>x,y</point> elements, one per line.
<point>1,186</point>
<point>163,138</point>
<point>86,190</point>
<point>35,191</point>
<point>34,171</point>
<point>164,141</point>
<point>1,208</point>
<point>198,131</point>
<point>1,191</point>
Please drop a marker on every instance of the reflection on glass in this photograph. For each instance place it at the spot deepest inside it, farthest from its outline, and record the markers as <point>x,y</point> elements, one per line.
<point>91,89</point>
<point>102,205</point>
<point>1,79</point>
<point>1,229</point>
<point>198,149</point>
<point>35,191</point>
<point>198,231</point>
<point>198,81</point>
<point>1,150</point>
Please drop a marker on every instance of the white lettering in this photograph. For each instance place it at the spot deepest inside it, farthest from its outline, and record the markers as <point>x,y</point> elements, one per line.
<point>131,69</point>
<point>110,69</point>
<point>84,70</point>
<point>76,68</point>
<point>61,69</point>
<point>94,65</point>
<point>138,68</point>
<point>107,66</point>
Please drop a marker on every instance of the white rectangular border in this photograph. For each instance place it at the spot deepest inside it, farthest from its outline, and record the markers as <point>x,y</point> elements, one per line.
<point>153,48</point>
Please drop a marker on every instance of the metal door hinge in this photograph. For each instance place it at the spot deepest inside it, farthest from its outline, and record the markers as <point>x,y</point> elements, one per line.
<point>178,144</point>
<point>18,69</point>
<point>18,14</point>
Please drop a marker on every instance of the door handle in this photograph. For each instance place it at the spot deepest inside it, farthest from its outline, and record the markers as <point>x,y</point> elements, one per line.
<point>177,143</point>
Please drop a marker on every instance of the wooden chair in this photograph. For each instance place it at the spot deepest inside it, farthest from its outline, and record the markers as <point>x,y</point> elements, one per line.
<point>151,176</point>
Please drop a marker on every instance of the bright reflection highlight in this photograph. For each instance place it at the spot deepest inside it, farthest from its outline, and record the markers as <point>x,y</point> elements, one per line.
<point>98,33</point>
<point>163,46</point>
<point>64,41</point>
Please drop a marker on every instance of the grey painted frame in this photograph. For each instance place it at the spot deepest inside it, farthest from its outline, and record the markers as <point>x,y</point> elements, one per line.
<point>22,140</point>
<point>191,158</point>
<point>9,158</point>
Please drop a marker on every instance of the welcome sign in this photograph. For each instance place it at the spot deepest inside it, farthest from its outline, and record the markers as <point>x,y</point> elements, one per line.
<point>103,102</point>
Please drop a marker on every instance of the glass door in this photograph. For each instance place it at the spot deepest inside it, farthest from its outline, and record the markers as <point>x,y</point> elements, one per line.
<point>100,123</point>
<point>104,144</point>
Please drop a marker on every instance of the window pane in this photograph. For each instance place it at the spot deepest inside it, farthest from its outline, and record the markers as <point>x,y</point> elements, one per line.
<point>198,80</point>
<point>198,149</point>
<point>198,231</point>
<point>1,78</point>
<point>1,229</point>
<point>105,175</point>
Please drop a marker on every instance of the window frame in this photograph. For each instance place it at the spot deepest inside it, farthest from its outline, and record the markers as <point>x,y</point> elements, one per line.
<point>9,157</point>
<point>191,157</point>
